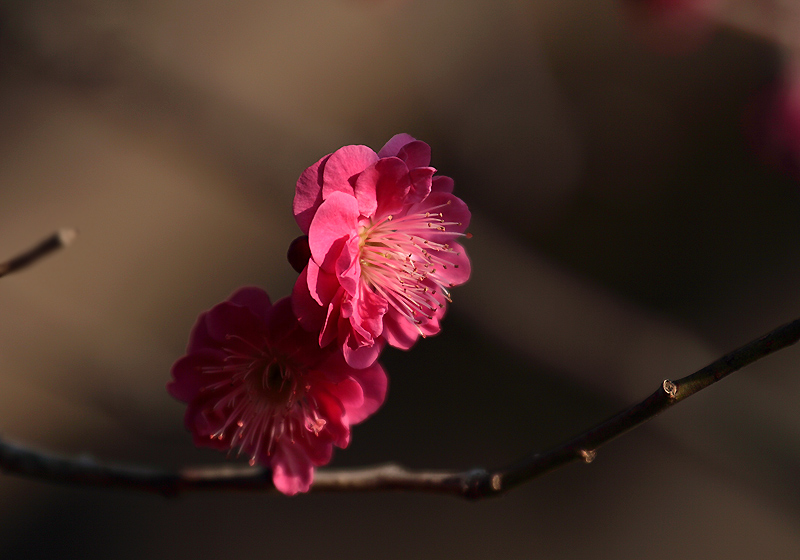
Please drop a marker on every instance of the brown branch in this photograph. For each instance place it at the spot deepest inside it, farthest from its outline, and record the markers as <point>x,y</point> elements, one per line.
<point>478,483</point>
<point>60,239</point>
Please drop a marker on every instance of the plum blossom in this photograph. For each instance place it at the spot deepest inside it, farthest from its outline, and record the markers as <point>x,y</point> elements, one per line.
<point>256,382</point>
<point>382,235</point>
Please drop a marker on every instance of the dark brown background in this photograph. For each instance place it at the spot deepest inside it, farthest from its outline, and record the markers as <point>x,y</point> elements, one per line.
<point>623,233</point>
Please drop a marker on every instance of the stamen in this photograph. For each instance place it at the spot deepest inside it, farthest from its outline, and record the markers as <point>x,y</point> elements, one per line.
<point>263,398</point>
<point>401,263</point>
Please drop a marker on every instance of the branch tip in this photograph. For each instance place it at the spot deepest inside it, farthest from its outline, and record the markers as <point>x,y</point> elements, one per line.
<point>60,239</point>
<point>588,455</point>
<point>67,236</point>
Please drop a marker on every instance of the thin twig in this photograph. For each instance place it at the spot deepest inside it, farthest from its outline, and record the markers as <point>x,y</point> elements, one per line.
<point>60,239</point>
<point>478,483</point>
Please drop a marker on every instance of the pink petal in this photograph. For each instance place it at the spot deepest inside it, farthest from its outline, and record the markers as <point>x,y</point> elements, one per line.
<point>308,194</point>
<point>318,448</point>
<point>349,393</point>
<point>281,321</point>
<point>330,329</point>
<point>348,266</point>
<point>433,326</point>
<point>399,331</point>
<point>374,384</point>
<point>365,190</point>
<point>334,223</point>
<point>392,186</point>
<point>292,471</point>
<point>415,154</point>
<point>395,144</point>
<point>309,313</point>
<point>458,272</point>
<point>421,180</point>
<point>333,411</point>
<point>253,298</point>
<point>199,338</point>
<point>322,285</point>
<point>363,356</point>
<point>227,318</point>
<point>369,311</point>
<point>442,184</point>
<point>188,379</point>
<point>343,166</point>
<point>335,404</point>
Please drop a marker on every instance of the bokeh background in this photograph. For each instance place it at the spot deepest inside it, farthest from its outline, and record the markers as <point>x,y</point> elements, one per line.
<point>635,217</point>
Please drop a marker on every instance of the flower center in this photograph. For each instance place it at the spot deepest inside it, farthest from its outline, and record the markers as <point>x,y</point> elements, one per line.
<point>263,397</point>
<point>404,260</point>
<point>275,383</point>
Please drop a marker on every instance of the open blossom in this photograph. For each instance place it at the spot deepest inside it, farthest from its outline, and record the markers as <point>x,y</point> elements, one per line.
<point>382,235</point>
<point>258,383</point>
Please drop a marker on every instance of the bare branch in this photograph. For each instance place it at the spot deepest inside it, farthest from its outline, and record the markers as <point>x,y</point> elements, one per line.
<point>478,483</point>
<point>60,239</point>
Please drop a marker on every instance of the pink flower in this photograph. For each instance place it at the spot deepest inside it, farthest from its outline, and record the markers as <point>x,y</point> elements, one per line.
<point>255,381</point>
<point>381,232</point>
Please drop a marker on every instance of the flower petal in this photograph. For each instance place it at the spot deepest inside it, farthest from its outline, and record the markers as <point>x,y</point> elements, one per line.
<point>310,314</point>
<point>187,377</point>
<point>399,331</point>
<point>374,384</point>
<point>348,267</point>
<point>330,329</point>
<point>392,186</point>
<point>292,471</point>
<point>395,144</point>
<point>253,298</point>
<point>199,338</point>
<point>343,167</point>
<point>442,183</point>
<point>334,223</point>
<point>415,154</point>
<point>365,190</point>
<point>227,318</point>
<point>460,268</point>
<point>363,356</point>
<point>322,285</point>
<point>308,194</point>
<point>421,179</point>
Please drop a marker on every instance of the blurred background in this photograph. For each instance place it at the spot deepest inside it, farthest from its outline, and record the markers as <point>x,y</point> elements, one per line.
<point>633,171</point>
